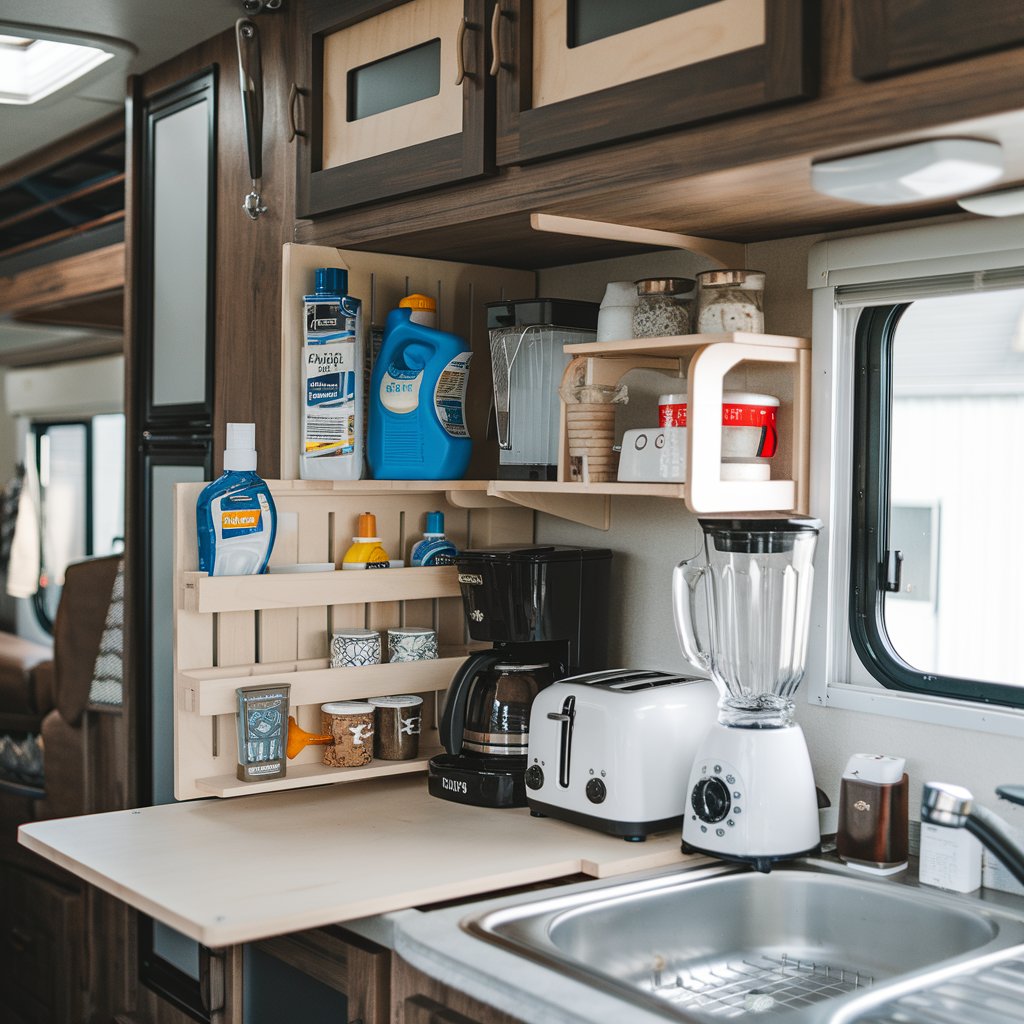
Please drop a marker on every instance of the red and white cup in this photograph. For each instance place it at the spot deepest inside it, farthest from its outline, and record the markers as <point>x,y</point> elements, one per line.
<point>749,422</point>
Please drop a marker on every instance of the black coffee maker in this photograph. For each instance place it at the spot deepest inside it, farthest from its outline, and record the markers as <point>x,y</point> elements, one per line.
<point>545,610</point>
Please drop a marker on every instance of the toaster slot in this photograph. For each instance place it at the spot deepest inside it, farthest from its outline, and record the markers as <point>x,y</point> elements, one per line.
<point>566,716</point>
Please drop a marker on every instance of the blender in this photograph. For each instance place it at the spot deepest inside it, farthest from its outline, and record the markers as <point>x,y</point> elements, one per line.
<point>752,793</point>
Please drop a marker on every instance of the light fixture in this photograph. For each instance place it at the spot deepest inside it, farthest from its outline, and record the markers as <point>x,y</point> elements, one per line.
<point>33,68</point>
<point>912,173</point>
<point>1007,203</point>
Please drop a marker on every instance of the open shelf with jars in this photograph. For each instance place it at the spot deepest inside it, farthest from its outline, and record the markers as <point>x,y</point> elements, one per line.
<point>236,631</point>
<point>706,360</point>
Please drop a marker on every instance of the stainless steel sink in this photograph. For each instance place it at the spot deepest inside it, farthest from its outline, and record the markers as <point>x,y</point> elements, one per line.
<point>725,942</point>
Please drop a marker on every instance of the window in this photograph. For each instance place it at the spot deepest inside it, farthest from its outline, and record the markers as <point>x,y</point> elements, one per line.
<point>937,556</point>
<point>81,499</point>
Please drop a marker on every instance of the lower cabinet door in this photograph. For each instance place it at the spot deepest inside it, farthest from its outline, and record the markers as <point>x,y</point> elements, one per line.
<point>41,959</point>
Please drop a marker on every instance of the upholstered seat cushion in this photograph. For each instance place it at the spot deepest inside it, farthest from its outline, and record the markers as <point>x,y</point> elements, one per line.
<point>18,660</point>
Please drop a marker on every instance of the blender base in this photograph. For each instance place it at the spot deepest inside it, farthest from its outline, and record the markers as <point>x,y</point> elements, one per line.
<point>752,796</point>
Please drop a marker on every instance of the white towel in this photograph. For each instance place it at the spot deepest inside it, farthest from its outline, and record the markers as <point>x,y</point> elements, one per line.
<point>23,568</point>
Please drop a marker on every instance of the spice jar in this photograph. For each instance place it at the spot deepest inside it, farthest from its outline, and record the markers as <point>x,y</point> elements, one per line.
<point>730,300</point>
<point>660,309</point>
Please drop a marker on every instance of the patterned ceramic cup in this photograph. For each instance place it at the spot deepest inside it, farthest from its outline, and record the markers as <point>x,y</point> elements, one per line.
<point>350,724</point>
<point>411,643</point>
<point>353,647</point>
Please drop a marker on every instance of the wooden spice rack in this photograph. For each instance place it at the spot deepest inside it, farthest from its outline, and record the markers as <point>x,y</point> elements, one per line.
<point>233,631</point>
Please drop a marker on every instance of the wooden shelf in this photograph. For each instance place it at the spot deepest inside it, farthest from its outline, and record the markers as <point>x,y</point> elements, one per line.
<point>206,594</point>
<point>301,776</point>
<point>683,344</point>
<point>212,692</point>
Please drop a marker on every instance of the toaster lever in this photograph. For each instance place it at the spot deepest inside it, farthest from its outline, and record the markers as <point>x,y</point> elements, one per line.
<point>565,746</point>
<point>558,716</point>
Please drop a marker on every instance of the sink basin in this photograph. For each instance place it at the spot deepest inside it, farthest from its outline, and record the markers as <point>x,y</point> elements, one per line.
<point>726,942</point>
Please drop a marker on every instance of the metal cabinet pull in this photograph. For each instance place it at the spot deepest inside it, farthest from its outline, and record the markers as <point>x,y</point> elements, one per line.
<point>293,101</point>
<point>496,64</point>
<point>460,54</point>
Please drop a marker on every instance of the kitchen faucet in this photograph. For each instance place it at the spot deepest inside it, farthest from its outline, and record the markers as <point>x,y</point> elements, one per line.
<point>954,807</point>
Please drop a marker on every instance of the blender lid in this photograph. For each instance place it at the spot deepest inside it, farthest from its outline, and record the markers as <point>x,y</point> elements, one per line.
<point>564,313</point>
<point>531,553</point>
<point>758,536</point>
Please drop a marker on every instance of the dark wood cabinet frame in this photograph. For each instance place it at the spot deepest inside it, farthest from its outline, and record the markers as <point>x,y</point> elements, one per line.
<point>453,158</point>
<point>782,69</point>
<point>893,36</point>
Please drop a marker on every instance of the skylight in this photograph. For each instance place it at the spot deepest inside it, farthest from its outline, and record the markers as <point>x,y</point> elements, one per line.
<point>31,69</point>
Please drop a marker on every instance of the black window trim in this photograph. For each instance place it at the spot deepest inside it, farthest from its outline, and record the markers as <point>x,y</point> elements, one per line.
<point>872,437</point>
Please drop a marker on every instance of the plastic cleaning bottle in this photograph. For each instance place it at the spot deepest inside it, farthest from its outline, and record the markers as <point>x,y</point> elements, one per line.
<point>418,403</point>
<point>236,521</point>
<point>434,548</point>
<point>332,381</point>
<point>366,551</point>
<point>424,309</point>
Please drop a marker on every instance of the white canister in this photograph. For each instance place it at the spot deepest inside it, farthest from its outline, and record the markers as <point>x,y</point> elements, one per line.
<point>749,423</point>
<point>615,317</point>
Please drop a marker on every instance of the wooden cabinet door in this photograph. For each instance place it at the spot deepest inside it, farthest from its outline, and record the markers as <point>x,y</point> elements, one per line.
<point>578,73</point>
<point>398,100</point>
<point>891,36</point>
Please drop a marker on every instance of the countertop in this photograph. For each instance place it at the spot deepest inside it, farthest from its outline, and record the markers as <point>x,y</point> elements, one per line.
<point>229,871</point>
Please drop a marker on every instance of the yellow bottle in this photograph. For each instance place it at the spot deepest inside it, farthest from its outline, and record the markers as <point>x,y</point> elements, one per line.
<point>366,551</point>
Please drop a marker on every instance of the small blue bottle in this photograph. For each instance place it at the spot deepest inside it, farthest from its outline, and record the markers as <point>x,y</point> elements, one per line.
<point>236,521</point>
<point>434,548</point>
<point>418,403</point>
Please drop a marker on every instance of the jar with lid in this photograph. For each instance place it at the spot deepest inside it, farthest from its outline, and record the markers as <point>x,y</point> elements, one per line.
<point>730,300</point>
<point>661,308</point>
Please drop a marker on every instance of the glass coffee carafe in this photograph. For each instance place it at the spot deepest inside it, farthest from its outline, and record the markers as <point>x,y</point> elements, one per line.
<point>757,577</point>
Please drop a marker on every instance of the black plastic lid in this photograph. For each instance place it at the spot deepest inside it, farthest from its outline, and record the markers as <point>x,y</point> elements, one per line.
<point>531,553</point>
<point>758,536</point>
<point>548,312</point>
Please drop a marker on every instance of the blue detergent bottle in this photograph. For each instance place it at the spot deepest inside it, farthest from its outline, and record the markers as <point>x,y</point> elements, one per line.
<point>417,427</point>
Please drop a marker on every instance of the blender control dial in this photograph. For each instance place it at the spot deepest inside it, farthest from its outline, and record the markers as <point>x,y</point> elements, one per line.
<point>711,799</point>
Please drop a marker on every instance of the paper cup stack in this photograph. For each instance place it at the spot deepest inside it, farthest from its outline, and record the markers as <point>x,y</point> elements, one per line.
<point>590,430</point>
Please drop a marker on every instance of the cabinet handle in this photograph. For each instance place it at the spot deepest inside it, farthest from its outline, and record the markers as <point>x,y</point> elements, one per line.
<point>460,54</point>
<point>496,64</point>
<point>293,101</point>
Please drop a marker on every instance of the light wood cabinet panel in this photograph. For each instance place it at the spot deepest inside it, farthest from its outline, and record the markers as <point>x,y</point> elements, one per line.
<point>397,100</point>
<point>559,91</point>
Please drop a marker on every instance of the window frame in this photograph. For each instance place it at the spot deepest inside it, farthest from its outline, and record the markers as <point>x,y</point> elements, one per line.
<point>835,676</point>
<point>869,544</point>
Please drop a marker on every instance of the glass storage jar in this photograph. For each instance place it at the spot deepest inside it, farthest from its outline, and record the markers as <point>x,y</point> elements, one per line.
<point>661,309</point>
<point>730,300</point>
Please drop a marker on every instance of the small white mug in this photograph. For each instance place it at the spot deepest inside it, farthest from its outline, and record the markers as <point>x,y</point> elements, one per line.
<point>411,643</point>
<point>351,648</point>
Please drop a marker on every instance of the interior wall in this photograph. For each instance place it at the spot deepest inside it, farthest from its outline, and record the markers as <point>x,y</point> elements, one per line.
<point>648,536</point>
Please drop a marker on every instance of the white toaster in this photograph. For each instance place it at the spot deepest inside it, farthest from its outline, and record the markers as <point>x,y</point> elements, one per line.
<point>613,750</point>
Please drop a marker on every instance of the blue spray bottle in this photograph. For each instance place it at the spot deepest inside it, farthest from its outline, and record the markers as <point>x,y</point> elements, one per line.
<point>236,520</point>
<point>418,403</point>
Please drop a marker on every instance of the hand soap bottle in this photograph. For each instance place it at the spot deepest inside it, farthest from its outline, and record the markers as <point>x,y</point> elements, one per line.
<point>236,521</point>
<point>366,551</point>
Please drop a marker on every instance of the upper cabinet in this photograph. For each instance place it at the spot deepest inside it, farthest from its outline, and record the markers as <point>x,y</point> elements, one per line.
<point>573,74</point>
<point>395,98</point>
<point>893,36</point>
<point>398,100</point>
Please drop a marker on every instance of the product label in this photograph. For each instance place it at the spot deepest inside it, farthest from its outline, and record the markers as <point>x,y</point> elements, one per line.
<point>450,395</point>
<point>241,516</point>
<point>400,389</point>
<point>330,317</point>
<point>329,421</point>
